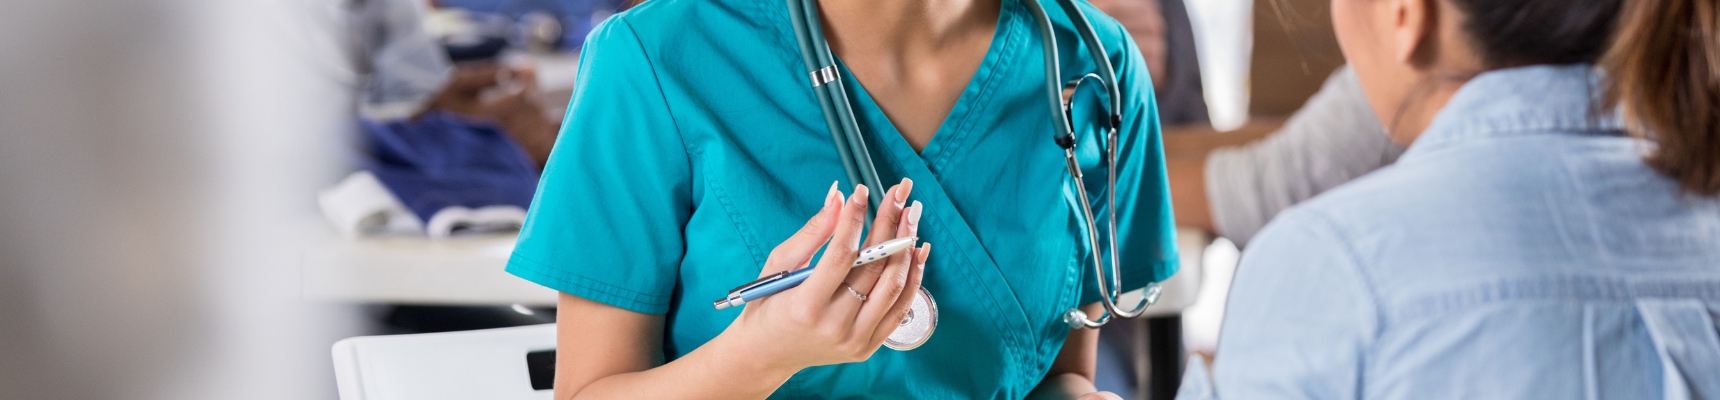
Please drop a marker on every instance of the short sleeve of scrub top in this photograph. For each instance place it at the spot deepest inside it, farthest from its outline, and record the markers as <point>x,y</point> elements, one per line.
<point>606,222</point>
<point>693,146</point>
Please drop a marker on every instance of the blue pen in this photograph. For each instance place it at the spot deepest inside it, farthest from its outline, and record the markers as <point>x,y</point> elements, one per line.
<point>777,282</point>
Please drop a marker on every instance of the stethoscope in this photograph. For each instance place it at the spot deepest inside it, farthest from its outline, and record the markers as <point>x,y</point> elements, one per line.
<point>857,162</point>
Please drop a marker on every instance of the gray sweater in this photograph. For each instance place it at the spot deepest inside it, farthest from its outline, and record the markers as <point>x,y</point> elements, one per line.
<point>1332,139</point>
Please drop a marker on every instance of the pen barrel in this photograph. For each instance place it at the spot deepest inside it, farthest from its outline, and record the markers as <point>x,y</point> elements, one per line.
<point>883,250</point>
<point>776,286</point>
<point>771,284</point>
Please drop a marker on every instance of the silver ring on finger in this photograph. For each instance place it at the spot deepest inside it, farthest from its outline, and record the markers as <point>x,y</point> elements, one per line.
<point>856,293</point>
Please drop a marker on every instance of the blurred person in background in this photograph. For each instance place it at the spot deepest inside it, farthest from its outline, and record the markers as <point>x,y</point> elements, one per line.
<point>1549,233</point>
<point>400,72</point>
<point>408,83</point>
<point>1234,183</point>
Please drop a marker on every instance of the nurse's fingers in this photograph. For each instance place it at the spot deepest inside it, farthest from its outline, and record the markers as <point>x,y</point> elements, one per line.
<point>874,279</point>
<point>839,256</point>
<point>892,282</point>
<point>798,249</point>
<point>905,299</point>
<point>890,224</point>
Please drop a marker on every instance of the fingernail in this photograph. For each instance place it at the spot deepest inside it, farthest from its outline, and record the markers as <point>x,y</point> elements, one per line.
<point>914,212</point>
<point>905,187</point>
<point>859,196</point>
<point>833,198</point>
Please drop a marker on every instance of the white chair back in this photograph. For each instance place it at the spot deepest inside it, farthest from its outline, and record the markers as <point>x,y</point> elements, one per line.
<point>482,364</point>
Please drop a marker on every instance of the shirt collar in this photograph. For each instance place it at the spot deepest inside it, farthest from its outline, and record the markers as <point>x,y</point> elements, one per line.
<point>1523,100</point>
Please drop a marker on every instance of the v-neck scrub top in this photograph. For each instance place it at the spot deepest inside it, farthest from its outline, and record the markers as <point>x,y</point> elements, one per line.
<point>693,146</point>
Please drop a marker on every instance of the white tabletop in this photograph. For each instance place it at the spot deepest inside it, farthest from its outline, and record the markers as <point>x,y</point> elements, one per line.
<point>465,270</point>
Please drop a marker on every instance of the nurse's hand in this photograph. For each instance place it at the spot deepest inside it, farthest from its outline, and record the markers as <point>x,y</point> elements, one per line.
<point>821,322</point>
<point>896,219</point>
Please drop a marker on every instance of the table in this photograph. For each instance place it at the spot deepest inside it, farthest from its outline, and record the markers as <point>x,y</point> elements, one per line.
<point>464,270</point>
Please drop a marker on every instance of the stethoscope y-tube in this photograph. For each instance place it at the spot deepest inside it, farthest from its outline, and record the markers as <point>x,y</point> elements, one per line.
<point>1065,138</point>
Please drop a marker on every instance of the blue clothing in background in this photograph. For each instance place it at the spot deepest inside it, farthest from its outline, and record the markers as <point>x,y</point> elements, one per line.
<point>577,17</point>
<point>1520,249</point>
<point>440,160</point>
<point>694,146</point>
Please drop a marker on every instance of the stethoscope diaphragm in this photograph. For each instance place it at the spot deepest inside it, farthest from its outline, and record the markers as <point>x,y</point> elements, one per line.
<point>917,325</point>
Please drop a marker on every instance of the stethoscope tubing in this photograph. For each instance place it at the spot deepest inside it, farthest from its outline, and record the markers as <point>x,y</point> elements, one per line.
<point>806,54</point>
<point>857,162</point>
<point>833,99</point>
<point>1102,61</point>
<point>1065,138</point>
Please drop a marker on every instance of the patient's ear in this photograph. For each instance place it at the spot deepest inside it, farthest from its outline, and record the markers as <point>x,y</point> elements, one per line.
<point>1412,26</point>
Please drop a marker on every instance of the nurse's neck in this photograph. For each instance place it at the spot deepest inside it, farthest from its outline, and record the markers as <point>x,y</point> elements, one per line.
<point>906,27</point>
<point>914,57</point>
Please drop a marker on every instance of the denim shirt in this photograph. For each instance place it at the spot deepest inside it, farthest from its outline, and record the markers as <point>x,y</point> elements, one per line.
<point>1520,249</point>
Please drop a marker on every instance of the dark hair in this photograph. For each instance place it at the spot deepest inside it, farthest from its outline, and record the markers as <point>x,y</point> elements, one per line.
<point>1662,63</point>
<point>1513,33</point>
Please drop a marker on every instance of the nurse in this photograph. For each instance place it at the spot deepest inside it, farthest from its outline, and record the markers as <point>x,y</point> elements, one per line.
<point>695,158</point>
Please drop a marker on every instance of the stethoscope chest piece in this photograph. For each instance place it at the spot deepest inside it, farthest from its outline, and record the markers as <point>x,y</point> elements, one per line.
<point>917,325</point>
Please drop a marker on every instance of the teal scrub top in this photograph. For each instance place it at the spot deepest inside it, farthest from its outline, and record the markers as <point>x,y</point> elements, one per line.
<point>694,145</point>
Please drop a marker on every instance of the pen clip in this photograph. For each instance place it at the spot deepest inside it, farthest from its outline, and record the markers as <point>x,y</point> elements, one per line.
<point>760,281</point>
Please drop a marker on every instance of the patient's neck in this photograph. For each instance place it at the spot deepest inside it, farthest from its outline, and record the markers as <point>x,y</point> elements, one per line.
<point>1418,113</point>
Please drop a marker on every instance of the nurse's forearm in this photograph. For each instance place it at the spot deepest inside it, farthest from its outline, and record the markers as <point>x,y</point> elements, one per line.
<point>717,370</point>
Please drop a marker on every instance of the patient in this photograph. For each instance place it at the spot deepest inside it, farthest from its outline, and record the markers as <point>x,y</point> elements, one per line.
<point>1552,231</point>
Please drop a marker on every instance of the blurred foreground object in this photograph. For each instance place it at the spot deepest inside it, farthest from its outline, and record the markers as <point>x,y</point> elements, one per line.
<point>155,161</point>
